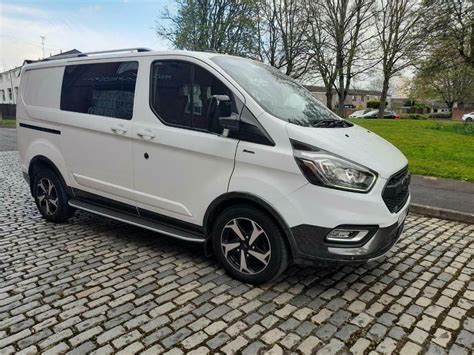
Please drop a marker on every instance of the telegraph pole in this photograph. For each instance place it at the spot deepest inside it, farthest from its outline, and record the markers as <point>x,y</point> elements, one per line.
<point>42,43</point>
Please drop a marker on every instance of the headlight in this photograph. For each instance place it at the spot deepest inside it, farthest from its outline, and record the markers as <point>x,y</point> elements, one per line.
<point>325,169</point>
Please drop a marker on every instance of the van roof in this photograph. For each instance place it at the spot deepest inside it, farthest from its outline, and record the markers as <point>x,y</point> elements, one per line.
<point>125,53</point>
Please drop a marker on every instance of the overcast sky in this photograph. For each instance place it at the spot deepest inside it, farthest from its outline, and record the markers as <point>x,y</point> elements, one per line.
<point>84,25</point>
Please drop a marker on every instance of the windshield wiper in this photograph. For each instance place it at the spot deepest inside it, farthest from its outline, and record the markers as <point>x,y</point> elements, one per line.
<point>331,123</point>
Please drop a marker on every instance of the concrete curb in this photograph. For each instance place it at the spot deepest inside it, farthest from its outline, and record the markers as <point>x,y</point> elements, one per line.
<point>442,213</point>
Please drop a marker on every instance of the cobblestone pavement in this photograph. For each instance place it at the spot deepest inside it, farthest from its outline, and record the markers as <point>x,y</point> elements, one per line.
<point>94,284</point>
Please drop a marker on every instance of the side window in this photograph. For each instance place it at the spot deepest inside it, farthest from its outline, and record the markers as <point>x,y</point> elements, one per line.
<point>181,95</point>
<point>104,89</point>
<point>170,92</point>
<point>251,130</point>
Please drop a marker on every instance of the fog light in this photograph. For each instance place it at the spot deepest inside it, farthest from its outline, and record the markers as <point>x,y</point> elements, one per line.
<point>346,235</point>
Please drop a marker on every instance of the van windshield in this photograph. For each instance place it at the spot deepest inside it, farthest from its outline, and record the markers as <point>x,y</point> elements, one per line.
<point>278,94</point>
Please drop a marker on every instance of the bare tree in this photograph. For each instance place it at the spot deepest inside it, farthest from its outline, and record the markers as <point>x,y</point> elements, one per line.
<point>451,22</point>
<point>399,38</point>
<point>321,42</point>
<point>342,42</point>
<point>226,26</point>
<point>282,32</point>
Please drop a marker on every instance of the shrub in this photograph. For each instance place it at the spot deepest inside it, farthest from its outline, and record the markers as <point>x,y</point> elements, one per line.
<point>441,115</point>
<point>413,116</point>
<point>458,128</point>
<point>375,104</point>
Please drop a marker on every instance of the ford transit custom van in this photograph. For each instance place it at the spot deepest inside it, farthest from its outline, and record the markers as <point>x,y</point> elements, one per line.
<point>212,149</point>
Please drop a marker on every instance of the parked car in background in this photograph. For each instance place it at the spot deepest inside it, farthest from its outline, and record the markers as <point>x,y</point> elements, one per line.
<point>360,113</point>
<point>213,149</point>
<point>375,114</point>
<point>468,117</point>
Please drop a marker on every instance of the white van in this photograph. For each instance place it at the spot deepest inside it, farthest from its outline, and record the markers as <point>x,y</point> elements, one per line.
<point>212,149</point>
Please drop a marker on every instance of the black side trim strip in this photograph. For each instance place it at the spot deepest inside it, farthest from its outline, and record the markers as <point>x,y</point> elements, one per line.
<point>113,205</point>
<point>38,128</point>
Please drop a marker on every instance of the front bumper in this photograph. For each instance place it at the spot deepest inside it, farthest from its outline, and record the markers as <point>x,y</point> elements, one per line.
<point>311,247</point>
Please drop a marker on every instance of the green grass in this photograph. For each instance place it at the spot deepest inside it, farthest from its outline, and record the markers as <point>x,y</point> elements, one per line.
<point>443,149</point>
<point>7,122</point>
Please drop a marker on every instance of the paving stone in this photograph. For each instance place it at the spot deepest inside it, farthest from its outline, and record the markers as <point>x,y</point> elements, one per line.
<point>309,344</point>
<point>466,339</point>
<point>410,348</point>
<point>360,346</point>
<point>272,336</point>
<point>442,337</point>
<point>253,348</point>
<point>326,331</point>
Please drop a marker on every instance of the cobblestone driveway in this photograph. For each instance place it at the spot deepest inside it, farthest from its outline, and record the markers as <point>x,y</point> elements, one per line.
<point>94,284</point>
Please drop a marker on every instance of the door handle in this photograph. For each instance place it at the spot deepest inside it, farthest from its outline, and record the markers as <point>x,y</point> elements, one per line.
<point>146,134</point>
<point>119,129</point>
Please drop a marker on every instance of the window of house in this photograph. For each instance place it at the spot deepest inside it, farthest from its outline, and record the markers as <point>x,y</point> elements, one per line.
<point>181,95</point>
<point>104,89</point>
<point>16,91</point>
<point>10,94</point>
<point>354,97</point>
<point>2,95</point>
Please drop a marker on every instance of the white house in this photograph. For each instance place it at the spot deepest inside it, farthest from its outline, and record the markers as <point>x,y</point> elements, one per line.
<point>9,82</point>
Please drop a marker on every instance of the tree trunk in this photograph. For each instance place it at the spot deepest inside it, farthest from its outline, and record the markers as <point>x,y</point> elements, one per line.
<point>383,97</point>
<point>471,53</point>
<point>329,98</point>
<point>341,95</point>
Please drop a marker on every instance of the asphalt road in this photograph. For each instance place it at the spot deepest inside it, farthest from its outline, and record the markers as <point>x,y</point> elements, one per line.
<point>443,193</point>
<point>7,139</point>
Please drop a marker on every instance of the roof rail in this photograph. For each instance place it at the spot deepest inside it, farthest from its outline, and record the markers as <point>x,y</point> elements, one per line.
<point>86,54</point>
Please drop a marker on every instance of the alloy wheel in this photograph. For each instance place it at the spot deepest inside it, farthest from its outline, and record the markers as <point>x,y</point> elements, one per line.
<point>47,196</point>
<point>245,245</point>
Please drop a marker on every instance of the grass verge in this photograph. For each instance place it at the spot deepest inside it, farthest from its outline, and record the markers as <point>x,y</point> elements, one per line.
<point>443,149</point>
<point>7,122</point>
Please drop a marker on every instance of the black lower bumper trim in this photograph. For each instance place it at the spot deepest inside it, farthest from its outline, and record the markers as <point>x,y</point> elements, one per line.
<point>312,247</point>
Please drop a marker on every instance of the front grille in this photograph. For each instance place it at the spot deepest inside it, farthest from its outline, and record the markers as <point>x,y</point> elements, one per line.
<point>395,193</point>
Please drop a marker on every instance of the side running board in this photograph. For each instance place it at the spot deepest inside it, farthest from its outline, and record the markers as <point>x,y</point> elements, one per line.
<point>138,221</point>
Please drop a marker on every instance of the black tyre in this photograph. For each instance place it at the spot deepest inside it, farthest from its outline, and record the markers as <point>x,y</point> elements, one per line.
<point>51,197</point>
<point>469,119</point>
<point>249,245</point>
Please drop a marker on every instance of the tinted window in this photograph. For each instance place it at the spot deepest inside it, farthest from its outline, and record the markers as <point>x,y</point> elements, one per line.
<point>181,95</point>
<point>105,89</point>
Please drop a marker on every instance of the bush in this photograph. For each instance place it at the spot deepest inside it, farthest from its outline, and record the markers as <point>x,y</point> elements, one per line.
<point>458,128</point>
<point>375,104</point>
<point>413,116</point>
<point>441,115</point>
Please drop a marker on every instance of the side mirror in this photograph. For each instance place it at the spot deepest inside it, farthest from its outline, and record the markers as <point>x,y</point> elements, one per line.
<point>223,105</point>
<point>227,120</point>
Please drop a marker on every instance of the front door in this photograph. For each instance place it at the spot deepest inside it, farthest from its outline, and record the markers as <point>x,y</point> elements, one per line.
<point>181,161</point>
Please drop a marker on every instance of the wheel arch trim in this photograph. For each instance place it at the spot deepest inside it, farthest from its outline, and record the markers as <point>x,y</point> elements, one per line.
<point>41,159</point>
<point>213,209</point>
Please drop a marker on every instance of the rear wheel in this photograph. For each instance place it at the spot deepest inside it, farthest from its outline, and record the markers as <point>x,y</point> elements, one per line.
<point>51,197</point>
<point>249,245</point>
<point>469,119</point>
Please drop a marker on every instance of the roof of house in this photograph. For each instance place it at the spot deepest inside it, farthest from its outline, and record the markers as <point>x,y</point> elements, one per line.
<point>315,88</point>
<point>72,51</point>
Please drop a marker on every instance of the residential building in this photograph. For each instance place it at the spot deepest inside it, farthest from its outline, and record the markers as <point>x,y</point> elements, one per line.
<point>356,98</point>
<point>10,81</point>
